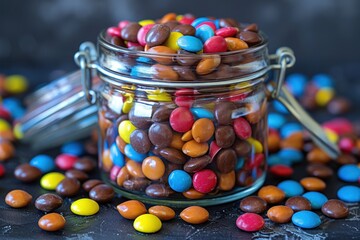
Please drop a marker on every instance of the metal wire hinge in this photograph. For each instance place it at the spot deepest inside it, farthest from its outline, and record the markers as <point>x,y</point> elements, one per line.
<point>83,58</point>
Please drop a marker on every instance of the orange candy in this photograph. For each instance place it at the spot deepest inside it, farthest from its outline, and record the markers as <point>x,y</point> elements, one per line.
<point>153,167</point>
<point>162,212</point>
<point>194,215</point>
<point>271,194</point>
<point>131,209</point>
<point>280,214</point>
<point>313,184</point>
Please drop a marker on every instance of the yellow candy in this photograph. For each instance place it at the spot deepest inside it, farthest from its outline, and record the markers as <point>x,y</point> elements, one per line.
<point>4,125</point>
<point>171,42</point>
<point>256,144</point>
<point>179,17</point>
<point>332,136</point>
<point>16,84</point>
<point>18,131</point>
<point>84,207</point>
<point>50,180</point>
<point>147,223</point>
<point>125,130</point>
<point>161,97</point>
<point>128,104</point>
<point>323,96</point>
<point>146,22</point>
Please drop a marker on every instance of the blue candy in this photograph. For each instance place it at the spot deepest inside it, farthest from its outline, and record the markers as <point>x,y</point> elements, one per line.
<point>204,32</point>
<point>349,173</point>
<point>316,199</point>
<point>239,163</point>
<point>291,188</point>
<point>73,148</point>
<point>179,181</point>
<point>296,83</point>
<point>217,23</point>
<point>131,153</point>
<point>43,162</point>
<point>116,156</point>
<point>199,20</point>
<point>276,120</point>
<point>14,107</point>
<point>290,156</point>
<point>141,71</point>
<point>290,128</point>
<point>274,159</point>
<point>144,60</point>
<point>201,113</point>
<point>190,43</point>
<point>322,81</point>
<point>349,194</point>
<point>280,107</point>
<point>306,219</point>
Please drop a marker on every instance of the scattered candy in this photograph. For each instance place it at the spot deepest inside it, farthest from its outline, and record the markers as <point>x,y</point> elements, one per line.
<point>291,188</point>
<point>50,180</point>
<point>194,215</point>
<point>349,194</point>
<point>349,173</point>
<point>43,162</point>
<point>48,202</point>
<point>84,207</point>
<point>52,222</point>
<point>18,198</point>
<point>306,219</point>
<point>147,223</point>
<point>335,209</point>
<point>316,199</point>
<point>131,209</point>
<point>250,222</point>
<point>280,214</point>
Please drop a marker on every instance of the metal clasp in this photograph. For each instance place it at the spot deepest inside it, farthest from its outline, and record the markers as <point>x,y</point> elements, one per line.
<point>84,58</point>
<point>284,58</point>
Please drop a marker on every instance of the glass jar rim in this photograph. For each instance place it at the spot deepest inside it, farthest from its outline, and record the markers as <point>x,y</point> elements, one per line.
<point>103,42</point>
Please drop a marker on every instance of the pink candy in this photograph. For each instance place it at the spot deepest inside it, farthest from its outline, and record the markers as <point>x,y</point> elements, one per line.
<point>227,32</point>
<point>114,172</point>
<point>65,161</point>
<point>181,119</point>
<point>204,181</point>
<point>114,31</point>
<point>2,170</point>
<point>142,34</point>
<point>215,44</point>
<point>339,126</point>
<point>250,222</point>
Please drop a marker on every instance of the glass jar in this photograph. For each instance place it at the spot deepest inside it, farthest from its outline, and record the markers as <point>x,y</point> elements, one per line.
<point>186,129</point>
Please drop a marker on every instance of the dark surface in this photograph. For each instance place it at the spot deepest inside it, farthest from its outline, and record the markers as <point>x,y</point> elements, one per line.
<point>108,224</point>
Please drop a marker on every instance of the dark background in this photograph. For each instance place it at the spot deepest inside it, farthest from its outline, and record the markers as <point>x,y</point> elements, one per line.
<point>45,34</point>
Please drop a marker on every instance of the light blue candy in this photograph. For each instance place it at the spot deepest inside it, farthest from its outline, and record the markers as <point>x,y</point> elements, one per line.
<point>306,219</point>
<point>190,43</point>
<point>276,120</point>
<point>131,153</point>
<point>201,113</point>
<point>290,128</point>
<point>199,20</point>
<point>73,148</point>
<point>296,83</point>
<point>280,107</point>
<point>204,32</point>
<point>290,156</point>
<point>349,173</point>
<point>291,188</point>
<point>141,71</point>
<point>179,181</point>
<point>43,162</point>
<point>217,23</point>
<point>322,81</point>
<point>316,199</point>
<point>239,163</point>
<point>349,194</point>
<point>14,107</point>
<point>274,159</point>
<point>144,60</point>
<point>116,156</point>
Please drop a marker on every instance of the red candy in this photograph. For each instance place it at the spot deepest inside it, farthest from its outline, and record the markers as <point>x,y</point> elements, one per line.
<point>227,32</point>
<point>242,128</point>
<point>255,161</point>
<point>339,126</point>
<point>209,23</point>
<point>123,24</point>
<point>215,44</point>
<point>132,44</point>
<point>346,144</point>
<point>114,31</point>
<point>2,170</point>
<point>142,34</point>
<point>204,181</point>
<point>214,149</point>
<point>186,20</point>
<point>65,161</point>
<point>250,222</point>
<point>4,113</point>
<point>181,119</point>
<point>281,170</point>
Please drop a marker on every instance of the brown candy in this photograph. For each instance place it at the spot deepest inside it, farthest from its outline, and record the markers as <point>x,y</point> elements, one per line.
<point>273,142</point>
<point>140,141</point>
<point>164,213</point>
<point>196,164</point>
<point>226,160</point>
<point>77,174</point>
<point>163,72</point>
<point>48,202</point>
<point>52,222</point>
<point>346,159</point>
<point>173,155</point>
<point>68,187</point>
<point>185,73</point>
<point>89,184</point>
<point>157,35</point>
<point>194,215</point>
<point>298,203</point>
<point>253,204</point>
<point>131,209</point>
<point>161,114</point>
<point>185,58</point>
<point>338,105</point>
<point>18,198</point>
<point>161,52</point>
<point>225,136</point>
<point>185,29</point>
<point>27,173</point>
<point>280,214</point>
<point>319,170</point>
<point>160,134</point>
<point>208,64</point>
<point>137,184</point>
<point>252,27</point>
<point>335,208</point>
<point>313,184</point>
<point>249,37</point>
<point>158,190</point>
<point>129,32</point>
<point>102,193</point>
<point>86,164</point>
<point>242,148</point>
<point>137,118</point>
<point>223,111</point>
<point>118,41</point>
<point>271,194</point>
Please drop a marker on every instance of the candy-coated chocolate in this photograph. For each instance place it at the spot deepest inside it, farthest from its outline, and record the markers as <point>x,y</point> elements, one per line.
<point>194,215</point>
<point>84,207</point>
<point>202,130</point>
<point>349,194</point>
<point>306,219</point>
<point>179,181</point>
<point>215,44</point>
<point>147,223</point>
<point>164,213</point>
<point>253,204</point>
<point>125,129</point>
<point>131,209</point>
<point>204,32</point>
<point>298,203</point>
<point>24,172</point>
<point>349,173</point>
<point>313,184</point>
<point>291,188</point>
<point>190,43</point>
<point>181,119</point>
<point>18,198</point>
<point>52,222</point>
<point>68,187</point>
<point>316,199</point>
<point>242,128</point>
<point>271,194</point>
<point>65,161</point>
<point>48,202</point>
<point>43,162</point>
<point>50,180</point>
<point>195,149</point>
<point>153,167</point>
<point>280,214</point>
<point>204,181</point>
<point>250,222</point>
